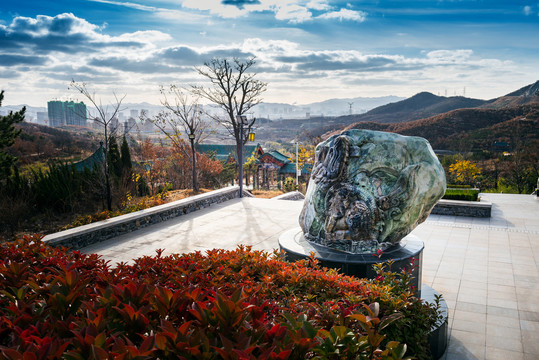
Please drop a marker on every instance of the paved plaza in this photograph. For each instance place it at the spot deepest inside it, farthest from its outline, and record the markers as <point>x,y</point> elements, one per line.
<point>486,269</point>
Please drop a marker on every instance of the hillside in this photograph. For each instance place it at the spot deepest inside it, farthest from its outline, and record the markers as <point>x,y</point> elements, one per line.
<point>475,127</point>
<point>40,142</point>
<point>419,106</point>
<point>527,91</point>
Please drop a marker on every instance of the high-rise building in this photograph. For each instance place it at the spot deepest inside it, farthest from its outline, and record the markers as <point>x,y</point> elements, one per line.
<point>66,113</point>
<point>133,113</point>
<point>55,109</point>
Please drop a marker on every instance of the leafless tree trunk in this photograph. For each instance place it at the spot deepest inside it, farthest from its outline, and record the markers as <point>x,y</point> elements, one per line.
<point>235,91</point>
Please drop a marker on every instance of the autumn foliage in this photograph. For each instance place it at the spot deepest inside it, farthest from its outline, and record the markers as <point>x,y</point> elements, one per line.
<point>239,304</point>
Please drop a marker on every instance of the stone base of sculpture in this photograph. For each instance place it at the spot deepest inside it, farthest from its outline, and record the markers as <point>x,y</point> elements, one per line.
<point>407,254</point>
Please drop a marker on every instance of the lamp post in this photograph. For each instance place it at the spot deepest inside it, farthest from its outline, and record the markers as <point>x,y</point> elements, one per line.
<point>193,163</point>
<point>297,165</point>
<point>242,120</point>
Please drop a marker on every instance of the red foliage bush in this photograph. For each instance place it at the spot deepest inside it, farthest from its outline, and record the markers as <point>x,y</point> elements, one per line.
<point>239,304</point>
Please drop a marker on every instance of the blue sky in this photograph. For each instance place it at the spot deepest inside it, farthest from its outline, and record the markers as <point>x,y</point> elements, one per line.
<point>307,50</point>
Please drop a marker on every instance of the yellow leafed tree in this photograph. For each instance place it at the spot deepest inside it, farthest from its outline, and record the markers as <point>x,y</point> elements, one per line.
<point>464,171</point>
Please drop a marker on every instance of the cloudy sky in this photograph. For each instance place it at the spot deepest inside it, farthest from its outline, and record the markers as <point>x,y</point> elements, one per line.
<point>307,50</point>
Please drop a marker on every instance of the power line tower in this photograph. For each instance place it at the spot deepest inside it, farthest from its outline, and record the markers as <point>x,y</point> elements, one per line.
<point>350,110</point>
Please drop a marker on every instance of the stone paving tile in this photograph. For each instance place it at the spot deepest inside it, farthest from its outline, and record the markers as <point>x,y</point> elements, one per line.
<point>493,353</point>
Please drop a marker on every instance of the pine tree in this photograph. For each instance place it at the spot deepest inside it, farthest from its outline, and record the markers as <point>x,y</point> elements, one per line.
<point>125,156</point>
<point>113,158</point>
<point>8,134</point>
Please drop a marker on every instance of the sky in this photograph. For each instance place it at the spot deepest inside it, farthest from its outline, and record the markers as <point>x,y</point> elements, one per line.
<point>306,50</point>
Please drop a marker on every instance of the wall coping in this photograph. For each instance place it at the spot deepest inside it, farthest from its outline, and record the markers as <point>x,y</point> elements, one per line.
<point>477,204</point>
<point>60,236</point>
<point>292,195</point>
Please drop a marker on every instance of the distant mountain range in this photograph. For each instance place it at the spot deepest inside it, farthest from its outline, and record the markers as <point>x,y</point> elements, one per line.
<point>469,124</point>
<point>272,111</point>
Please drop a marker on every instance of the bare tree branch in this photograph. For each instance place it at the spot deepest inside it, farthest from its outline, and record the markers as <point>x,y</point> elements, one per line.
<point>103,115</point>
<point>233,89</point>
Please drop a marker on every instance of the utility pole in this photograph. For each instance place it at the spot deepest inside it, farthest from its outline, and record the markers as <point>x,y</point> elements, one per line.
<point>297,164</point>
<point>242,120</point>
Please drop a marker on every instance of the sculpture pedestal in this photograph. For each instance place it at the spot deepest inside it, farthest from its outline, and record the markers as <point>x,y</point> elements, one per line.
<point>409,250</point>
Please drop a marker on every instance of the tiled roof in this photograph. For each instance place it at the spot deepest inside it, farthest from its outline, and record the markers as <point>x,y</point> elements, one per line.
<point>95,159</point>
<point>277,155</point>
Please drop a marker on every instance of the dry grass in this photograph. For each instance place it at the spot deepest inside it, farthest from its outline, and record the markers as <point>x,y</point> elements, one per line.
<point>266,194</point>
<point>182,194</point>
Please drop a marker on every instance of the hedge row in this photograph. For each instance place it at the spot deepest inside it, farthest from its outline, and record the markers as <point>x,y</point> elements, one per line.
<point>461,194</point>
<point>239,304</point>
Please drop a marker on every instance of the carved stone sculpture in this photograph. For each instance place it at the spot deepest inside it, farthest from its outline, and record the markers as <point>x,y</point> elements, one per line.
<point>369,189</point>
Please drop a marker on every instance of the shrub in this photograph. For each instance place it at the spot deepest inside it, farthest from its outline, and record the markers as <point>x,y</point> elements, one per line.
<point>461,194</point>
<point>126,208</point>
<point>290,184</point>
<point>455,186</point>
<point>239,304</point>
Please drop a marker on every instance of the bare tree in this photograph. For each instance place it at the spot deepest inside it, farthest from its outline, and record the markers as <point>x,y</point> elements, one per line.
<point>235,90</point>
<point>182,118</point>
<point>103,115</point>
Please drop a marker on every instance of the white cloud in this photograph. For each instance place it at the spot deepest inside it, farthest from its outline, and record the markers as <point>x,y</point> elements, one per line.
<point>345,14</point>
<point>293,13</point>
<point>450,56</point>
<point>144,58</point>
<point>527,10</point>
<point>318,5</point>
<point>171,14</point>
<point>215,7</point>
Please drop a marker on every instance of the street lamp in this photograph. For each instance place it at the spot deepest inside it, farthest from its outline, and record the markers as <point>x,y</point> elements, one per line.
<point>242,120</point>
<point>297,164</point>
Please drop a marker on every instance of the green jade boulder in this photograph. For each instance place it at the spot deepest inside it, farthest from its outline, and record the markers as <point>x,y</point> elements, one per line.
<point>369,189</point>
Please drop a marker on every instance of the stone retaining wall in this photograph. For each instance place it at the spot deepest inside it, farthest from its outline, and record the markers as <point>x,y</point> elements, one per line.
<point>292,195</point>
<point>85,235</point>
<point>462,208</point>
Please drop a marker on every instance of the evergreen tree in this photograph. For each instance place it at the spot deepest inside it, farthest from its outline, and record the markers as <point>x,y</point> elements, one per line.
<point>8,134</point>
<point>114,159</point>
<point>125,156</point>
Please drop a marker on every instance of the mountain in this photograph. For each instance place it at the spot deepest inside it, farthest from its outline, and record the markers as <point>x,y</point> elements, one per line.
<point>526,91</point>
<point>419,106</point>
<point>274,111</point>
<point>526,95</point>
<point>331,107</point>
<point>467,129</point>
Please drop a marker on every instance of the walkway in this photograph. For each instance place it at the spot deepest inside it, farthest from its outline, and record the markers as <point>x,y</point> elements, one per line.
<point>486,269</point>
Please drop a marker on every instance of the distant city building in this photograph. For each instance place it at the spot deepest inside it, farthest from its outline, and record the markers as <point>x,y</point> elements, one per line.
<point>66,113</point>
<point>131,125</point>
<point>133,113</point>
<point>114,125</point>
<point>42,117</point>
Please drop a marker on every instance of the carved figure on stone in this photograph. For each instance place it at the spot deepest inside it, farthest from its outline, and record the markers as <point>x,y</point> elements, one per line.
<point>369,189</point>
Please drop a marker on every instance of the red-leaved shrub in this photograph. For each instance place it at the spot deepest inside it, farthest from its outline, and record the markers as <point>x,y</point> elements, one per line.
<point>239,304</point>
